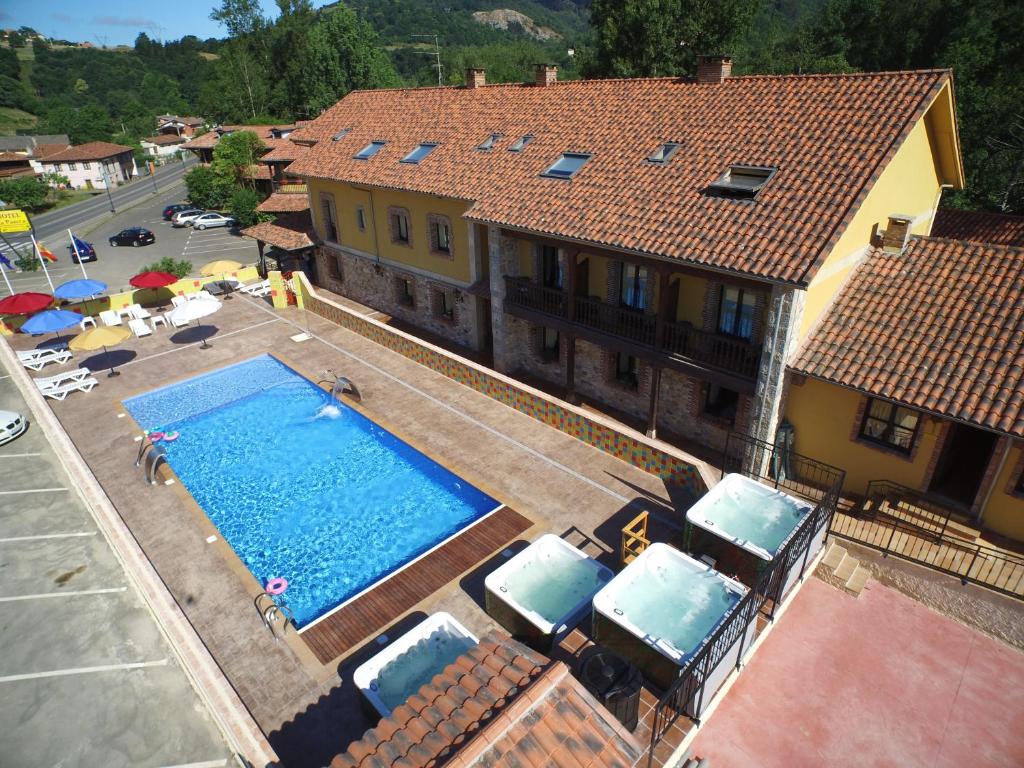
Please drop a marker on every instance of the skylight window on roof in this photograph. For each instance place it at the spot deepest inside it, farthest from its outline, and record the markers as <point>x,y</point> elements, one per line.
<point>520,144</point>
<point>742,181</point>
<point>488,144</point>
<point>567,165</point>
<point>663,153</point>
<point>341,134</point>
<point>369,150</point>
<point>421,151</point>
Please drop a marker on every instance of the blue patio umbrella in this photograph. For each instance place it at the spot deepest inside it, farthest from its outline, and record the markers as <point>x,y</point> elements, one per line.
<point>51,321</point>
<point>79,289</point>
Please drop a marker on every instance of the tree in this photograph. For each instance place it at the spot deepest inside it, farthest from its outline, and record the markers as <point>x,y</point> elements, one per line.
<point>24,192</point>
<point>341,55</point>
<point>235,154</point>
<point>177,267</point>
<point>207,188</point>
<point>645,38</point>
<point>240,17</point>
<point>242,207</point>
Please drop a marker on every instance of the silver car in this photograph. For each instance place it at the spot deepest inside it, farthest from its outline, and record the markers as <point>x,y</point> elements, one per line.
<point>184,218</point>
<point>12,425</point>
<point>209,220</point>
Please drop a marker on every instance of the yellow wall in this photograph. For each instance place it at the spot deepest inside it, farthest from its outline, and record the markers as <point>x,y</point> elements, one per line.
<point>823,416</point>
<point>1004,513</point>
<point>909,185</point>
<point>691,300</point>
<point>418,256</point>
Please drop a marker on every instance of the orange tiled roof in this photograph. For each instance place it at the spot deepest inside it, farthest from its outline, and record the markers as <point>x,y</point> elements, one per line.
<point>94,150</point>
<point>257,171</point>
<point>166,138</point>
<point>939,327</point>
<point>209,139</point>
<point>828,135</point>
<point>13,157</point>
<point>284,202</point>
<point>282,150</point>
<point>290,232</point>
<point>45,150</point>
<point>499,705</point>
<point>979,226</point>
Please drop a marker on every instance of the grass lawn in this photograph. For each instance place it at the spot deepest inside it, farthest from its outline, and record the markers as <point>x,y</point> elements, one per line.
<point>12,119</point>
<point>71,197</point>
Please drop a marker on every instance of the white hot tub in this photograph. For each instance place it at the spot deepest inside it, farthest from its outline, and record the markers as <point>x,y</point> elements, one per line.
<point>544,591</point>
<point>411,661</point>
<point>662,609</point>
<point>755,518</point>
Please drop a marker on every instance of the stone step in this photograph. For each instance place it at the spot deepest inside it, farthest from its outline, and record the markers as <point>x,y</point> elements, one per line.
<point>833,556</point>
<point>846,567</point>
<point>857,581</point>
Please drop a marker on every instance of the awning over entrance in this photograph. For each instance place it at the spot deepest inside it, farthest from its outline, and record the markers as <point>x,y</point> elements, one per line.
<point>291,232</point>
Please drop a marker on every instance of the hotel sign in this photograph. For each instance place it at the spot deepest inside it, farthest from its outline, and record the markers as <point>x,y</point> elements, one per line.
<point>14,221</point>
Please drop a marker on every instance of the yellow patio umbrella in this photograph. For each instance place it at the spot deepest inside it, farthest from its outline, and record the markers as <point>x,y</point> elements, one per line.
<point>100,337</point>
<point>220,267</point>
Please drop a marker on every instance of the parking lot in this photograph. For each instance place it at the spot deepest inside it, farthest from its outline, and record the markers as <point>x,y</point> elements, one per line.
<point>116,265</point>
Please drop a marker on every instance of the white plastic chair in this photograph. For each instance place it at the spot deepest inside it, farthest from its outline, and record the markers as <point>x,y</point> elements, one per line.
<point>168,317</point>
<point>136,312</point>
<point>139,327</point>
<point>158,320</point>
<point>177,301</point>
<point>109,317</point>
<point>87,322</point>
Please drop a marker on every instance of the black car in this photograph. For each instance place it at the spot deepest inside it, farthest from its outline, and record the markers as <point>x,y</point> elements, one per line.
<point>170,210</point>
<point>134,236</point>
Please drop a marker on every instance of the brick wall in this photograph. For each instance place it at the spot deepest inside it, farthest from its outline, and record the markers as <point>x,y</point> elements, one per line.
<point>375,285</point>
<point>675,467</point>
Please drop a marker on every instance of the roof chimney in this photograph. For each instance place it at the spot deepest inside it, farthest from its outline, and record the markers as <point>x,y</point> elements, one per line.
<point>713,69</point>
<point>547,74</point>
<point>896,234</point>
<point>475,77</point>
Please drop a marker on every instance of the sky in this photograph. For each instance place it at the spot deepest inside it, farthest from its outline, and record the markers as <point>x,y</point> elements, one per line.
<point>115,22</point>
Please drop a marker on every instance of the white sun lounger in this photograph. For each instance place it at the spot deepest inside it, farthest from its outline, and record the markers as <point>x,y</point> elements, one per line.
<point>49,382</point>
<point>63,390</point>
<point>169,317</point>
<point>110,317</point>
<point>35,359</point>
<point>256,289</point>
<point>177,301</point>
<point>139,328</point>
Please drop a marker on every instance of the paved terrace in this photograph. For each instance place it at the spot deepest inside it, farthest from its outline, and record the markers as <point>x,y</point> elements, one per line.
<point>309,710</point>
<point>86,677</point>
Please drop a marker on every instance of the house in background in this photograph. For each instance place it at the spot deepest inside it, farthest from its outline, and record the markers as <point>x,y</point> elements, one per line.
<point>35,147</point>
<point>14,165</point>
<point>915,376</point>
<point>93,165</point>
<point>164,145</point>
<point>203,145</point>
<point>173,125</point>
<point>656,248</point>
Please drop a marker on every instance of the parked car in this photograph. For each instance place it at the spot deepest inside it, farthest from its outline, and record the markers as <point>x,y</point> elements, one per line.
<point>84,253</point>
<point>12,425</point>
<point>184,218</point>
<point>170,210</point>
<point>208,220</point>
<point>134,236</point>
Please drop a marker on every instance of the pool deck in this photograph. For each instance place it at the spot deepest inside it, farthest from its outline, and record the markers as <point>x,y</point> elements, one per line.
<point>309,709</point>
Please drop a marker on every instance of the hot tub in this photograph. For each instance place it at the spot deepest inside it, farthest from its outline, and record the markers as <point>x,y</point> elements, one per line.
<point>544,591</point>
<point>411,661</point>
<point>661,610</point>
<point>755,518</point>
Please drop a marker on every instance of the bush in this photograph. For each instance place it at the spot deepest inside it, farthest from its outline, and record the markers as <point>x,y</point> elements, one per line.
<point>207,188</point>
<point>26,192</point>
<point>242,206</point>
<point>178,268</point>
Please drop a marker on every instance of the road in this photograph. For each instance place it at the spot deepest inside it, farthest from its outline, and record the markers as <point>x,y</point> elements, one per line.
<point>57,222</point>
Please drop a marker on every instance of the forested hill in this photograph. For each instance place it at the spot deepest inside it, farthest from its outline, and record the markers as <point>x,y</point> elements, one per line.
<point>465,22</point>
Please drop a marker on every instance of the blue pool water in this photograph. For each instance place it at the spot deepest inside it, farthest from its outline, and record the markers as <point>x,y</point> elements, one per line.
<point>300,487</point>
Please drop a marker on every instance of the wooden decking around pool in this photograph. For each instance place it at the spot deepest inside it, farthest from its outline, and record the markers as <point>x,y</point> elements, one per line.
<point>345,628</point>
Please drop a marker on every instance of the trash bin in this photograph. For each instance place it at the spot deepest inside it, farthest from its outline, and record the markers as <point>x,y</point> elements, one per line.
<point>615,682</point>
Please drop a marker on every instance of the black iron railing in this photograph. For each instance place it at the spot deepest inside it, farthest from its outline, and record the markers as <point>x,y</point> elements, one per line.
<point>898,532</point>
<point>800,475</point>
<point>887,499</point>
<point>679,340</point>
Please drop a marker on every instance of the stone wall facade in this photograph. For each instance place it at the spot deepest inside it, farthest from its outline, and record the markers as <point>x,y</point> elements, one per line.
<point>382,287</point>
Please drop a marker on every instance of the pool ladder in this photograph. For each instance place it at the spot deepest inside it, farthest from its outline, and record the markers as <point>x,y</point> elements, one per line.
<point>150,455</point>
<point>276,616</point>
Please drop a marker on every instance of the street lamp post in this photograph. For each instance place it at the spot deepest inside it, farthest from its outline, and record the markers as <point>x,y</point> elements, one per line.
<point>106,185</point>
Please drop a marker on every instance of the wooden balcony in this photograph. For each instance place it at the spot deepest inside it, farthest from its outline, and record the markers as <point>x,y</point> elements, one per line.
<point>681,346</point>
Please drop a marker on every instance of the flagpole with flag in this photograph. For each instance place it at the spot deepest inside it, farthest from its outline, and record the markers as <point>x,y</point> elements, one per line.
<point>39,252</point>
<point>5,264</point>
<point>78,253</point>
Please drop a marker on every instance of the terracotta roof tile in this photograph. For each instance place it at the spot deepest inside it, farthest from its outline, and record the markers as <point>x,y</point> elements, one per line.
<point>45,150</point>
<point>282,150</point>
<point>828,136</point>
<point>939,327</point>
<point>290,232</point>
<point>13,157</point>
<point>285,202</point>
<point>166,139</point>
<point>979,227</point>
<point>94,150</point>
<point>558,724</point>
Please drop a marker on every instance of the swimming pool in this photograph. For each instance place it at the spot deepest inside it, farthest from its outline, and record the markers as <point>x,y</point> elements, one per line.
<point>302,488</point>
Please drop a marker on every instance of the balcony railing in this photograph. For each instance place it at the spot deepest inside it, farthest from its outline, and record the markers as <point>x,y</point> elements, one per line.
<point>680,340</point>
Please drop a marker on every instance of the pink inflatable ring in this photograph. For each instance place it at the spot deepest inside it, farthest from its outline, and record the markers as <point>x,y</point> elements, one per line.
<point>155,437</point>
<point>277,586</point>
<point>170,437</point>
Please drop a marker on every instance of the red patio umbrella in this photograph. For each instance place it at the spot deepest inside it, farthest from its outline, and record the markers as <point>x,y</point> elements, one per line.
<point>153,279</point>
<point>25,303</point>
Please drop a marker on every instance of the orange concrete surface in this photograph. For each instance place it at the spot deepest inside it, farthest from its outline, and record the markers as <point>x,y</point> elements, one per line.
<point>878,680</point>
